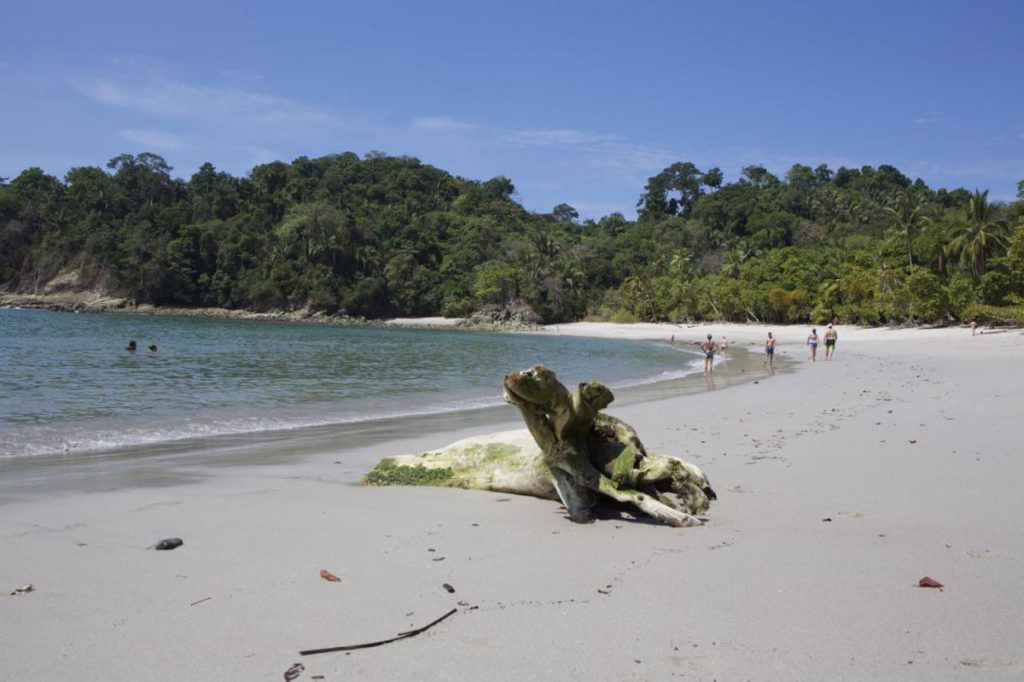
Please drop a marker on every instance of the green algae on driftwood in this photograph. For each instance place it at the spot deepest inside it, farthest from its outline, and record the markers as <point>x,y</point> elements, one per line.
<point>570,451</point>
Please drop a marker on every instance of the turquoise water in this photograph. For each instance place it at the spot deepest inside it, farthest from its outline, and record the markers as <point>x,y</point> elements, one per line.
<point>67,385</point>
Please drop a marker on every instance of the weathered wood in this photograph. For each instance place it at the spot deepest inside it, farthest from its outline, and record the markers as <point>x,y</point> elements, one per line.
<point>570,451</point>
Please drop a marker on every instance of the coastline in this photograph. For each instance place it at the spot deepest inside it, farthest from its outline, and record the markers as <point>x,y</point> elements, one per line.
<point>91,301</point>
<point>195,458</point>
<point>840,486</point>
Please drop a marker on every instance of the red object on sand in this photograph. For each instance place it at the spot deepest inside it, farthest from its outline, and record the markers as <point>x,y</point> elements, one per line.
<point>928,582</point>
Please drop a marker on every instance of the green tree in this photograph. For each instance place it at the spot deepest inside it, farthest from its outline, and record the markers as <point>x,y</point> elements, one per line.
<point>928,301</point>
<point>977,233</point>
<point>906,220</point>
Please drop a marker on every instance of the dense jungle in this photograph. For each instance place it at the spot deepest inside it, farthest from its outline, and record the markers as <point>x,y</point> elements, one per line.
<point>389,236</point>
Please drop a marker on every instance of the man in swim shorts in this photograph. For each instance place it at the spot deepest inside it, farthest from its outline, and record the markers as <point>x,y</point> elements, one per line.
<point>769,351</point>
<point>830,341</point>
<point>709,347</point>
<point>812,342</point>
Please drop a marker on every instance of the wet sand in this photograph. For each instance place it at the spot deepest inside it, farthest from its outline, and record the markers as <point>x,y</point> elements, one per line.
<point>840,486</point>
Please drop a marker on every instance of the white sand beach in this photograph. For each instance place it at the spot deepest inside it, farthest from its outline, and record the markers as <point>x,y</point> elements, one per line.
<point>840,485</point>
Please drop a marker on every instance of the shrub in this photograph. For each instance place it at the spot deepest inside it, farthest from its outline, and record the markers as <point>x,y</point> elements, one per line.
<point>997,315</point>
<point>960,293</point>
<point>928,301</point>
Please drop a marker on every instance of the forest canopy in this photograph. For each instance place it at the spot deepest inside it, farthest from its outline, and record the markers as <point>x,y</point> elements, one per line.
<point>386,236</point>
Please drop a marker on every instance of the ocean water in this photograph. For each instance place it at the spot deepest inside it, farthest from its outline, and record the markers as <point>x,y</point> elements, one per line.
<point>68,386</point>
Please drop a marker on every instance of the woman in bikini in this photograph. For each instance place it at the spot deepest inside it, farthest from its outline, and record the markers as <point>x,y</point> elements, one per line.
<point>812,341</point>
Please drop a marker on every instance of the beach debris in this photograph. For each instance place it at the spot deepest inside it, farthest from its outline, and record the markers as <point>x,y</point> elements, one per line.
<point>449,588</point>
<point>293,672</point>
<point>24,589</point>
<point>401,635</point>
<point>169,543</point>
<point>929,582</point>
<point>201,601</point>
<point>328,576</point>
<point>827,519</point>
<point>571,452</point>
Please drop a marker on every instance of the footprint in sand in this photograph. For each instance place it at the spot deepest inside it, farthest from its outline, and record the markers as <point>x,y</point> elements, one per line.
<point>987,663</point>
<point>169,503</point>
<point>39,530</point>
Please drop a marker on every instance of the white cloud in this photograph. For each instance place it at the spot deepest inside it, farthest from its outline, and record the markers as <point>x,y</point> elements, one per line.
<point>149,91</point>
<point>442,124</point>
<point>152,138</point>
<point>602,153</point>
<point>990,169</point>
<point>558,137</point>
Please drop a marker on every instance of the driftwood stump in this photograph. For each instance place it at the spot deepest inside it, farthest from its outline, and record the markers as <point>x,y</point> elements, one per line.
<point>570,451</point>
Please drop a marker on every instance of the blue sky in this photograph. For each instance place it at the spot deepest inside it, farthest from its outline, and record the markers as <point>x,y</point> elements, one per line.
<point>576,102</point>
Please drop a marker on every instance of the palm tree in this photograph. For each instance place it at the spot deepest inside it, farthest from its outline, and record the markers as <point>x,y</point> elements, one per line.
<point>934,243</point>
<point>974,235</point>
<point>906,216</point>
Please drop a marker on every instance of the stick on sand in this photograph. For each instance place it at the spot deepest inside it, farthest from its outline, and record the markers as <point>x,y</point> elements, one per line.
<point>404,635</point>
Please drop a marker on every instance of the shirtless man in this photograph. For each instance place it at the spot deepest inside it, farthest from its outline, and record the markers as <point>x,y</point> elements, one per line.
<point>709,347</point>
<point>769,351</point>
<point>812,342</point>
<point>830,341</point>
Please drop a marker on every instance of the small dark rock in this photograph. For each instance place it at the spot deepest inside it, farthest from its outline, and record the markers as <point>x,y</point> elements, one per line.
<point>451,590</point>
<point>169,543</point>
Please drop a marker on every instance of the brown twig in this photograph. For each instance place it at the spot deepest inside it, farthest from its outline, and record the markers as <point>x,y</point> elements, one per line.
<point>403,635</point>
<point>201,601</point>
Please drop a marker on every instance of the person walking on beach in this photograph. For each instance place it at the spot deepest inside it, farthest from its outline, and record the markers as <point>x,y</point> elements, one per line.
<point>830,341</point>
<point>709,347</point>
<point>723,344</point>
<point>812,342</point>
<point>769,351</point>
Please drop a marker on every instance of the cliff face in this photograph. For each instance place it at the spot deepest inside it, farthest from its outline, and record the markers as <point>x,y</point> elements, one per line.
<point>68,290</point>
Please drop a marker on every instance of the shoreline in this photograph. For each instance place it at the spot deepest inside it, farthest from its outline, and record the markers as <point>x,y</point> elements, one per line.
<point>840,485</point>
<point>97,302</point>
<point>194,458</point>
<point>91,301</point>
